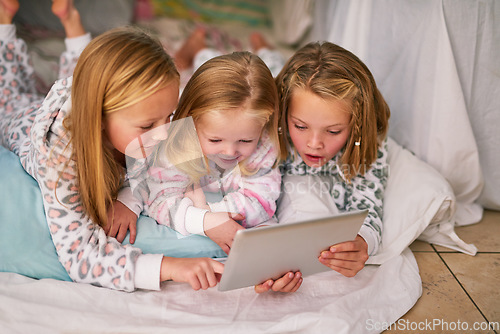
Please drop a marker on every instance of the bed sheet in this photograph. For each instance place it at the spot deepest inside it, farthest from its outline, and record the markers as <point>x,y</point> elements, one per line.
<point>326,302</point>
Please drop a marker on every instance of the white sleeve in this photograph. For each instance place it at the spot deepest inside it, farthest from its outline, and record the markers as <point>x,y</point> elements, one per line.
<point>147,271</point>
<point>194,220</point>
<point>127,198</point>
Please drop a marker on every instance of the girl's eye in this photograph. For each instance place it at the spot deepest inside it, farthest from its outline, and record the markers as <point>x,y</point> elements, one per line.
<point>148,127</point>
<point>214,140</point>
<point>300,127</point>
<point>246,141</point>
<point>334,132</point>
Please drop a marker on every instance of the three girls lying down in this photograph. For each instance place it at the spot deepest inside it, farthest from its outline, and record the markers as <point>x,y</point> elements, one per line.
<point>332,118</point>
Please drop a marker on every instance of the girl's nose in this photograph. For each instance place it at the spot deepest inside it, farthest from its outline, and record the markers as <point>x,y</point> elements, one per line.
<point>230,150</point>
<point>315,141</point>
<point>159,133</point>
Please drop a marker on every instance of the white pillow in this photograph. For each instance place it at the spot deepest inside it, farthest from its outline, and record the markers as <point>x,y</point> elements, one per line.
<point>418,203</point>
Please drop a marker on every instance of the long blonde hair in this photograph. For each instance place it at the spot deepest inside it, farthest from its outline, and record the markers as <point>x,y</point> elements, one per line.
<point>225,84</point>
<point>332,72</point>
<point>116,70</point>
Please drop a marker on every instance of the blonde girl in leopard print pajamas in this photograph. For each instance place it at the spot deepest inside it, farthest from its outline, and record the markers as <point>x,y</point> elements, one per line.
<point>334,122</point>
<point>72,142</point>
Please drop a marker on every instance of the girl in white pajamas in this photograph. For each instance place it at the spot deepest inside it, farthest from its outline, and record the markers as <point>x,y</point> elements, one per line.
<point>162,194</point>
<point>237,133</point>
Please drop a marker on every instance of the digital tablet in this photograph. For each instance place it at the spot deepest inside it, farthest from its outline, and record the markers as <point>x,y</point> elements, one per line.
<point>261,253</point>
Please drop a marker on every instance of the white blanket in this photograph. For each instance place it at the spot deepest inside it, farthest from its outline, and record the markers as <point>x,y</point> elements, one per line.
<point>327,302</point>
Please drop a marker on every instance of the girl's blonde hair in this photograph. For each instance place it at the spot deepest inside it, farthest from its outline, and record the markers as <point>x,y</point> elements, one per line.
<point>226,84</point>
<point>116,70</point>
<point>331,72</point>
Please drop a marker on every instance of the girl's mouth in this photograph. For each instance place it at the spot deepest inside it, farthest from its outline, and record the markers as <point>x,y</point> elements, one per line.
<point>314,160</point>
<point>314,157</point>
<point>229,160</point>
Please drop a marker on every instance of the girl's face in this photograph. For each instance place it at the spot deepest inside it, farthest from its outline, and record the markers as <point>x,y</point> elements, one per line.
<point>318,128</point>
<point>125,125</point>
<point>227,140</point>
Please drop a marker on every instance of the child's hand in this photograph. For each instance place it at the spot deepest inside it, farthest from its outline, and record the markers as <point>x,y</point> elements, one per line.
<point>195,194</point>
<point>348,258</point>
<point>290,282</point>
<point>221,228</point>
<point>121,219</point>
<point>200,273</point>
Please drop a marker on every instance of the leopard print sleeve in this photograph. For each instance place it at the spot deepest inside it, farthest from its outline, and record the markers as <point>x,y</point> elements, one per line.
<point>367,193</point>
<point>69,58</point>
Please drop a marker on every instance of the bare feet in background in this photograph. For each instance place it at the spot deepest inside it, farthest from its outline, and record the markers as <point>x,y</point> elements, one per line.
<point>183,58</point>
<point>257,42</point>
<point>69,16</point>
<point>8,8</point>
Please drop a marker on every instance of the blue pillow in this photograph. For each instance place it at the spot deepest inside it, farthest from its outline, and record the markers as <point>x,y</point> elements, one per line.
<point>26,246</point>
